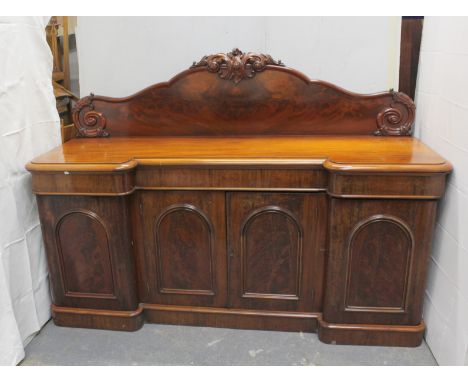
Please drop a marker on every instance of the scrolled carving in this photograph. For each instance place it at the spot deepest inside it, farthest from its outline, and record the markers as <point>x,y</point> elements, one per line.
<point>398,118</point>
<point>89,122</point>
<point>236,65</point>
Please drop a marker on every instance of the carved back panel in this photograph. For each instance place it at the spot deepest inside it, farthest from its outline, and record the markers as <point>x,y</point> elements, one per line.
<point>244,94</point>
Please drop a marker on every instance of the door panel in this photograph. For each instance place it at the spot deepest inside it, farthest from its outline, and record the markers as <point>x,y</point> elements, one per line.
<point>276,247</point>
<point>184,239</point>
<point>271,241</point>
<point>377,260</point>
<point>88,240</point>
<point>185,247</point>
<point>83,248</point>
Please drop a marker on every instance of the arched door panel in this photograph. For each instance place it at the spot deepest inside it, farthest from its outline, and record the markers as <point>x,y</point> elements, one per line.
<point>276,247</point>
<point>184,248</point>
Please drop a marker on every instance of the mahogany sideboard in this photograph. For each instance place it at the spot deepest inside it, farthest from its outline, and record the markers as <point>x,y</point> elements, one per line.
<point>242,194</point>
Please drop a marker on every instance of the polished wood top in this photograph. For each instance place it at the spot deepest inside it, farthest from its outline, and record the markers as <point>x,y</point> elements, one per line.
<point>335,153</point>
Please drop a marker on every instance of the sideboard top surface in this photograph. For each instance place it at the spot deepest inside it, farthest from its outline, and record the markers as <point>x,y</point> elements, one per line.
<point>340,153</point>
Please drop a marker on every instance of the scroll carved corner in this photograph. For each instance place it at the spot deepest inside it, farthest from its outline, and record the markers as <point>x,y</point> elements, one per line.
<point>89,122</point>
<point>236,65</point>
<point>398,118</point>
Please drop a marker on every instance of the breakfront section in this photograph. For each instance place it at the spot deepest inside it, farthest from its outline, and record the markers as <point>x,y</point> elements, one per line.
<point>379,243</point>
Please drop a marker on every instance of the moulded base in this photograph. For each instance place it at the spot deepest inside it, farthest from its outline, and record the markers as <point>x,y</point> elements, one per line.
<point>231,318</point>
<point>333,333</point>
<point>370,334</point>
<point>98,318</point>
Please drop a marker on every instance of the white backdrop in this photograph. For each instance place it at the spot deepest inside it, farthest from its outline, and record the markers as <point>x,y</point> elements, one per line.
<point>29,126</point>
<point>120,55</point>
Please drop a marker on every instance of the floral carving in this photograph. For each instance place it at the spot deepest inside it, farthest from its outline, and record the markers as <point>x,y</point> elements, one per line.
<point>89,122</point>
<point>398,118</point>
<point>236,65</point>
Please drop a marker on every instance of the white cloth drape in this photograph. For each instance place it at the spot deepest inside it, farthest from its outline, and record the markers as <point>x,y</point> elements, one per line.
<point>29,126</point>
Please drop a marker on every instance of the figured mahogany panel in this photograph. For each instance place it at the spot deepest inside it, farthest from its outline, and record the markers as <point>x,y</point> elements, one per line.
<point>276,249</point>
<point>182,252</point>
<point>377,260</point>
<point>88,242</point>
<point>184,240</point>
<point>379,256</point>
<point>271,251</point>
<point>244,94</point>
<point>83,249</point>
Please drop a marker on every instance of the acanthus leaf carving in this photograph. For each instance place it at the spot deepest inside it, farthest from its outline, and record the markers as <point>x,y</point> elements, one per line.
<point>236,65</point>
<point>89,122</point>
<point>398,118</point>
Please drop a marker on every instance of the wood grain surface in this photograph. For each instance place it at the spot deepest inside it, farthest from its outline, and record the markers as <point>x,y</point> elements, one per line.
<point>242,194</point>
<point>338,153</point>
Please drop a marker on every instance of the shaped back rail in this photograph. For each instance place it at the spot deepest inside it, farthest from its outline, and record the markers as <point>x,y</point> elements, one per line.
<point>238,94</point>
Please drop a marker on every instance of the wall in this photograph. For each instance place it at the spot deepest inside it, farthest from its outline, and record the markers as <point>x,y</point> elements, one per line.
<point>442,123</point>
<point>121,55</point>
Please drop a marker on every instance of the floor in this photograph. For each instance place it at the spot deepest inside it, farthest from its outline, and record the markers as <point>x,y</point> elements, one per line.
<point>186,345</point>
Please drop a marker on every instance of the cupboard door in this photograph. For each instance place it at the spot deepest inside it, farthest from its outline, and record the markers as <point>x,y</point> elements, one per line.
<point>89,248</point>
<point>276,250</point>
<point>185,247</point>
<point>378,251</point>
